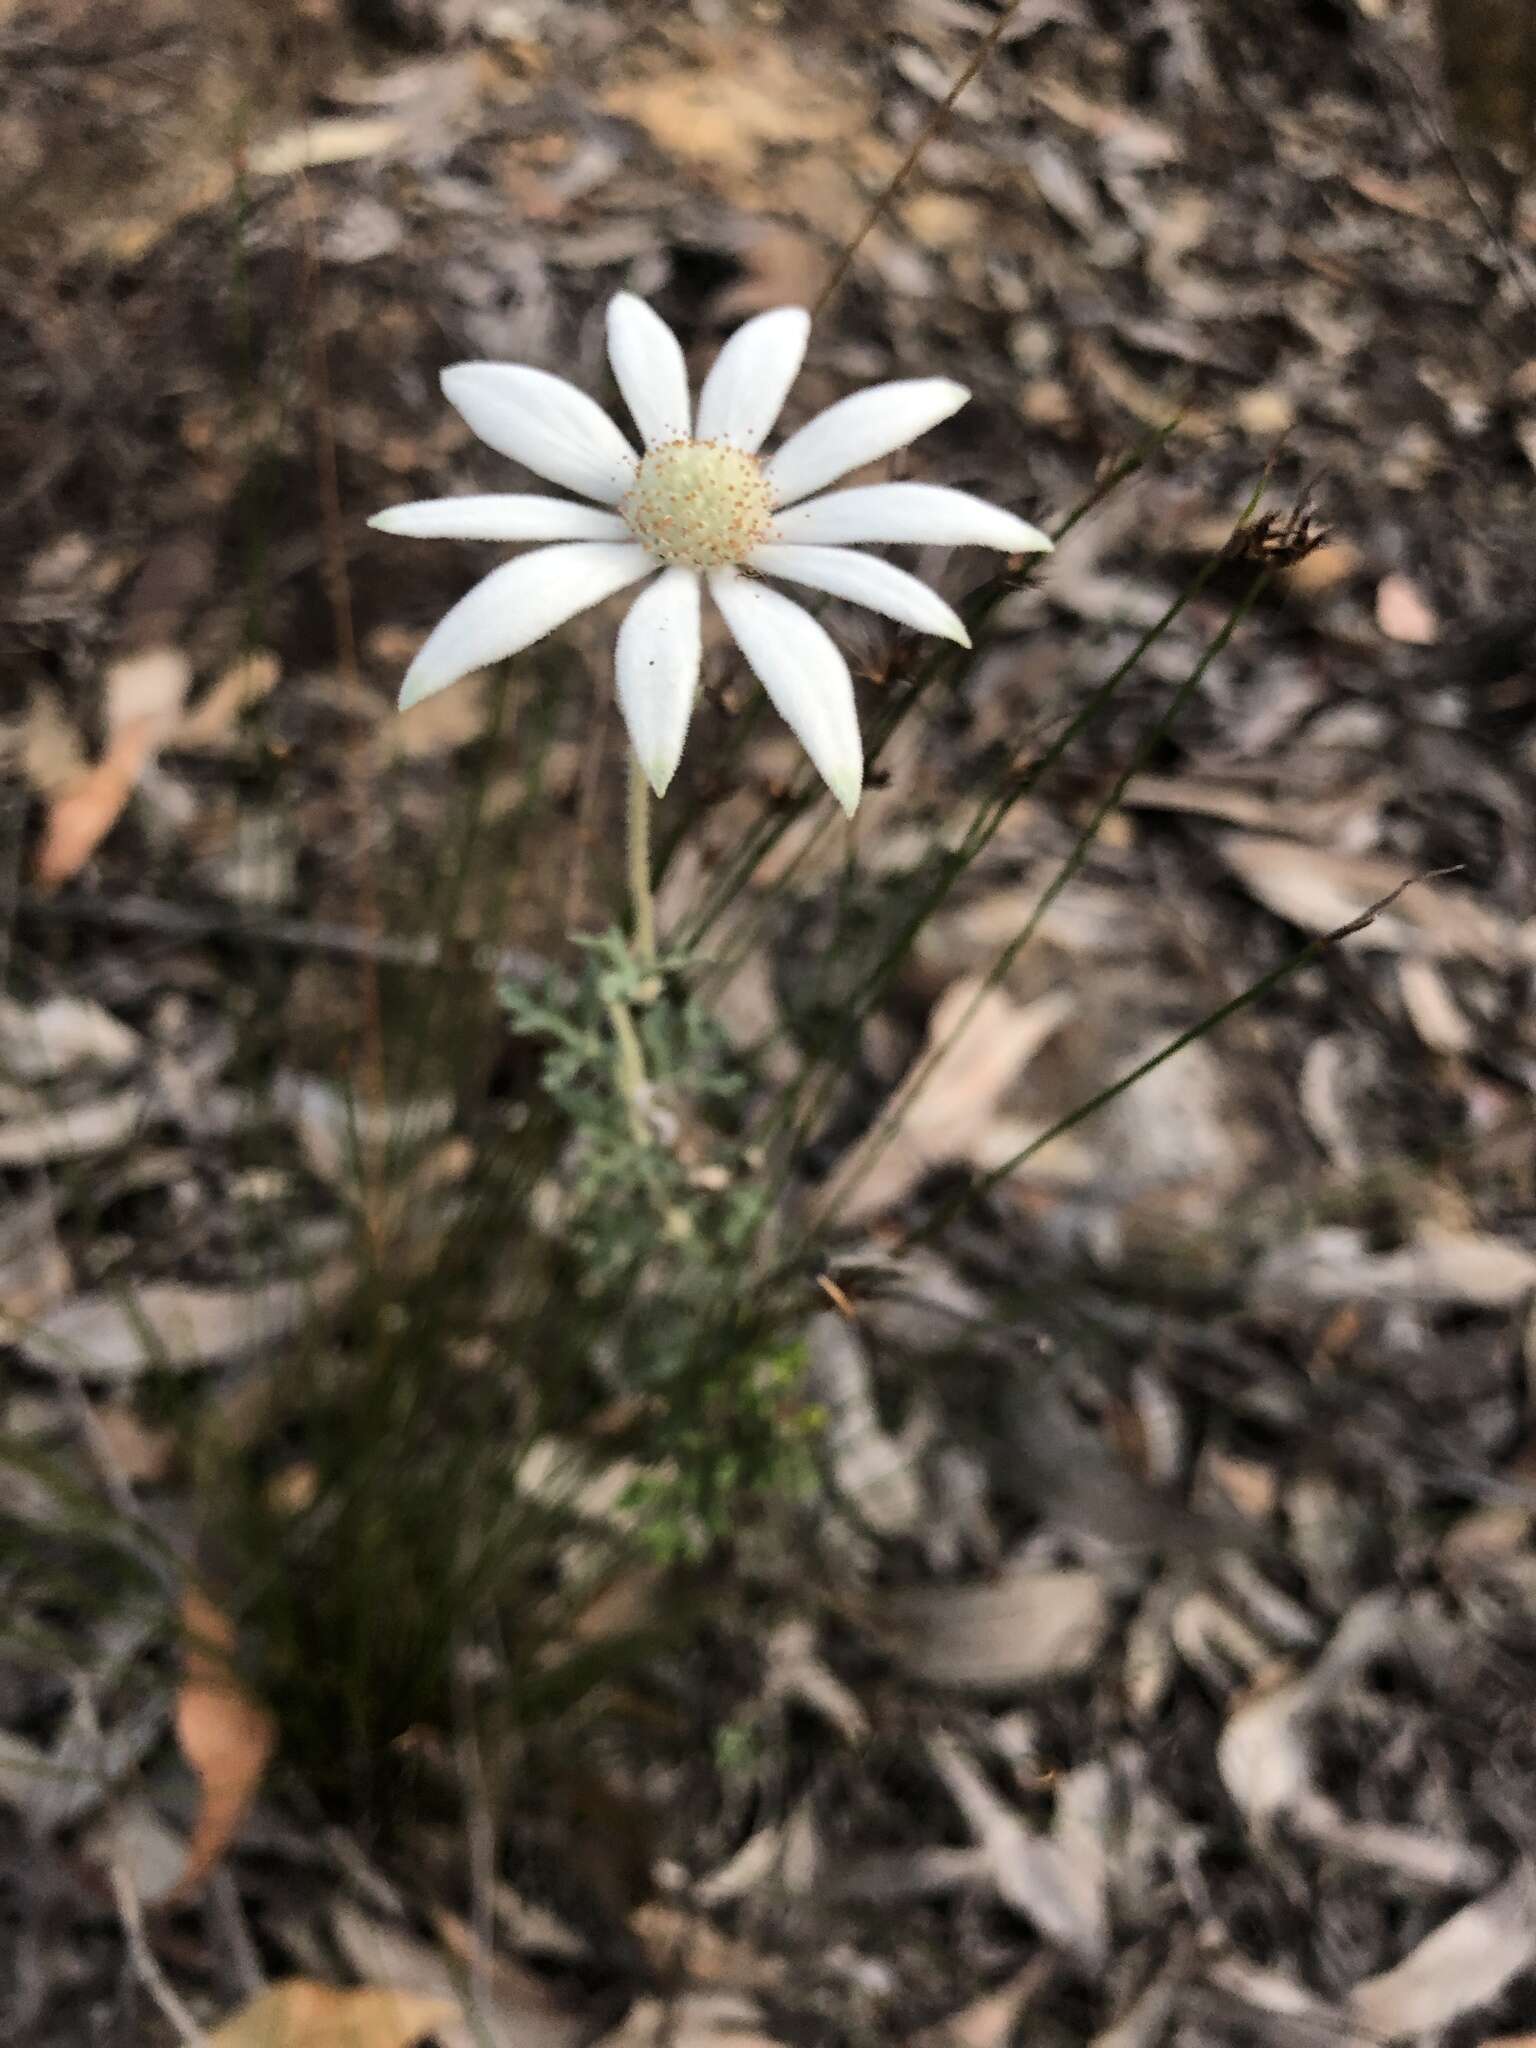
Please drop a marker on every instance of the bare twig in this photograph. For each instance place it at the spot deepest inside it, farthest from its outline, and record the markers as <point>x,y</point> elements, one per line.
<point>339,591</point>
<point>1251,994</point>
<point>929,130</point>
<point>189,921</point>
<point>130,1915</point>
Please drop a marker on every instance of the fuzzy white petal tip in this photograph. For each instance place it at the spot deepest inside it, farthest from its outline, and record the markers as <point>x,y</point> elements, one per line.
<point>420,684</point>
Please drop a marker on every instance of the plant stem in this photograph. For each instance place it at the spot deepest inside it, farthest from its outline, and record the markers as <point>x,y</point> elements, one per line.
<point>631,1069</point>
<point>641,899</point>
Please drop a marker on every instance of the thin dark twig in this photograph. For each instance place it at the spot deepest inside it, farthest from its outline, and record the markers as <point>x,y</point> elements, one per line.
<point>294,934</point>
<point>339,591</point>
<point>931,127</point>
<point>1251,994</point>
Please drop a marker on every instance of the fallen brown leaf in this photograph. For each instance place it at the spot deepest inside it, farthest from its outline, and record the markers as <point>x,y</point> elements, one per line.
<point>738,98</point>
<point>1032,1624</point>
<point>783,268</point>
<point>1404,613</point>
<point>339,139</point>
<point>1321,890</point>
<point>512,2008</point>
<point>32,1131</point>
<point>301,2014</point>
<point>244,683</point>
<point>144,694</point>
<point>225,1735</point>
<point>34,1267</point>
<point>83,815</point>
<point>167,1327</point>
<point>39,1042</point>
<point>980,1039</point>
<point>1438,1265</point>
<point>1465,1963</point>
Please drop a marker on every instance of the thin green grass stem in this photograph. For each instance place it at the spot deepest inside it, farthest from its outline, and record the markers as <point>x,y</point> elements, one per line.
<point>890,1124</point>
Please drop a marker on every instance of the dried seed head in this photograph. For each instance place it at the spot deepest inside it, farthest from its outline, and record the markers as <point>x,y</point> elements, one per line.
<point>701,504</point>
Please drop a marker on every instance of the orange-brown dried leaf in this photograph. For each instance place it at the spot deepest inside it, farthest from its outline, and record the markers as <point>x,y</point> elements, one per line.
<point>83,814</point>
<point>225,1735</point>
<point>302,2014</point>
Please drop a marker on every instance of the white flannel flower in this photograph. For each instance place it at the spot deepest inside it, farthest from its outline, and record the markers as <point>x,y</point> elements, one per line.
<point>700,506</point>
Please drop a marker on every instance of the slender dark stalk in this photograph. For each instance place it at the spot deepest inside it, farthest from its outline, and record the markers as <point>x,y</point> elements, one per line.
<point>975,1190</point>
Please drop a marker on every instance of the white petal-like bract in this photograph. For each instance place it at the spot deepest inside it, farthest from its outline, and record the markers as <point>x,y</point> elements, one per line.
<point>799,666</point>
<point>908,512</point>
<point>545,424</point>
<point>649,368</point>
<point>857,430</point>
<point>657,671</point>
<point>501,516</point>
<point>517,604</point>
<point>750,378</point>
<point>865,580</point>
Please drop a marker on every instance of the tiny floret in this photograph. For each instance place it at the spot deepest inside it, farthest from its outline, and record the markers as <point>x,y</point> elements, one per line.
<point>701,506</point>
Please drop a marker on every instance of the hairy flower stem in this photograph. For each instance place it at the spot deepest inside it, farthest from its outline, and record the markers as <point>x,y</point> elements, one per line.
<point>632,1080</point>
<point>642,901</point>
<point>631,1066</point>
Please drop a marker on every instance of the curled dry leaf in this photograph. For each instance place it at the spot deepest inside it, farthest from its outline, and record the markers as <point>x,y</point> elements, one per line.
<point>795,1671</point>
<point>41,1041</point>
<point>83,815</point>
<point>1320,890</point>
<point>1306,818</point>
<point>171,1328</point>
<point>32,1132</point>
<point>1464,1964</point>
<point>225,1735</point>
<point>1056,1882</point>
<point>1404,613</point>
<point>300,2014</point>
<point>244,683</point>
<point>980,1039</point>
<point>1334,1264</point>
<point>144,695</point>
<point>1026,1627</point>
<point>1266,1764</point>
<point>512,2008</point>
<point>339,139</point>
<point>873,1469</point>
<point>698,2019</point>
<point>34,1268</point>
<point>1431,1008</point>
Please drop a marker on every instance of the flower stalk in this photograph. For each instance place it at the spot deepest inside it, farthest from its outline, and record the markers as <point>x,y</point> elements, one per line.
<point>641,896</point>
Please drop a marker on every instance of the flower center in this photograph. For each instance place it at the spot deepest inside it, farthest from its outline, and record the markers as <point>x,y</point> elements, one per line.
<point>699,503</point>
